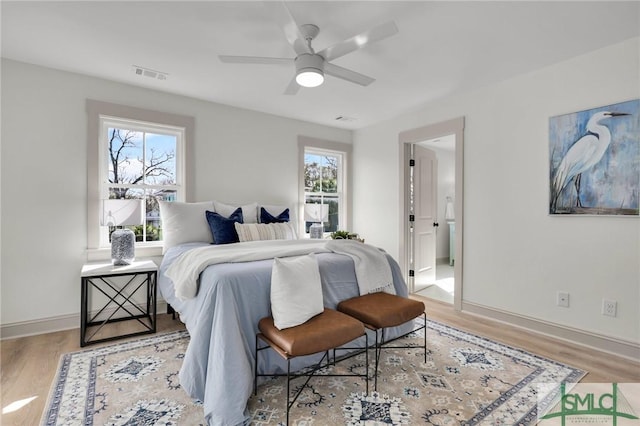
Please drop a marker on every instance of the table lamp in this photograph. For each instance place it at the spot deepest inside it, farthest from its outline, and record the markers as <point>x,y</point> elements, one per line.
<point>122,212</point>
<point>316,213</point>
<point>448,210</point>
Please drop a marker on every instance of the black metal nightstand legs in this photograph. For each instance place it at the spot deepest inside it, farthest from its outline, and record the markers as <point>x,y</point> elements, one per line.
<point>119,298</point>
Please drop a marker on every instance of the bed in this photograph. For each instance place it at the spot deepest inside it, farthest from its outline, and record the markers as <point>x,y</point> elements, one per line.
<point>231,295</point>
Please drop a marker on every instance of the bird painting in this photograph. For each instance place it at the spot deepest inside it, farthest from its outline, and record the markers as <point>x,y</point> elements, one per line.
<point>566,192</point>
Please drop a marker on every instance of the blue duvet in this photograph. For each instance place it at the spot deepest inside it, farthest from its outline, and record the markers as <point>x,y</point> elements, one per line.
<point>222,321</point>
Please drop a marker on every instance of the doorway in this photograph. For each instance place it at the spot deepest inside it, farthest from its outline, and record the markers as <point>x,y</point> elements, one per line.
<point>419,251</point>
<point>434,192</point>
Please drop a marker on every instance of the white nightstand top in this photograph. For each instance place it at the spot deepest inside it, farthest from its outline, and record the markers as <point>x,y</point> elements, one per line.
<point>107,268</point>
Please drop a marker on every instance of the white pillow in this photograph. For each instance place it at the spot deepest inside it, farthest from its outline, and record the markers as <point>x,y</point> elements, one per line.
<point>296,290</point>
<point>184,223</point>
<point>249,211</point>
<point>265,231</point>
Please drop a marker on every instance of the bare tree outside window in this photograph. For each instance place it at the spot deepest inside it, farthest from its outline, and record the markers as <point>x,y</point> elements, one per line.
<point>142,165</point>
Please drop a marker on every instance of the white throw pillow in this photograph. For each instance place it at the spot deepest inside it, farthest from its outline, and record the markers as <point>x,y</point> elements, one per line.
<point>296,290</point>
<point>265,231</point>
<point>249,211</point>
<point>184,223</point>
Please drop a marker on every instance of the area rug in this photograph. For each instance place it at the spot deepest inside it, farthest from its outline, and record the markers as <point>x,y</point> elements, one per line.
<point>466,380</point>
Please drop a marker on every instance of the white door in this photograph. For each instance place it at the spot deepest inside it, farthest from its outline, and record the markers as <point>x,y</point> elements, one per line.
<point>425,180</point>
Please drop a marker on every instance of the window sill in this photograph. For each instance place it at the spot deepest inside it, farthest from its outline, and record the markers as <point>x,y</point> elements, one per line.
<point>95,255</point>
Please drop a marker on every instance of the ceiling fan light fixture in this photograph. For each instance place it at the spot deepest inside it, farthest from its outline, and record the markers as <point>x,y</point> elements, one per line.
<point>309,70</point>
<point>310,77</point>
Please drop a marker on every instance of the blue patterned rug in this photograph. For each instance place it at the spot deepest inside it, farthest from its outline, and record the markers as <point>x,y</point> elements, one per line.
<point>467,380</point>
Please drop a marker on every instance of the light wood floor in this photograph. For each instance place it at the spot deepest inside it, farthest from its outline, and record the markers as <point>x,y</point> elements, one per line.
<point>28,364</point>
<point>601,367</point>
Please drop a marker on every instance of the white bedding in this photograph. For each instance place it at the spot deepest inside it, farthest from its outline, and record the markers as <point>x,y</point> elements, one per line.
<point>186,269</point>
<point>371,266</point>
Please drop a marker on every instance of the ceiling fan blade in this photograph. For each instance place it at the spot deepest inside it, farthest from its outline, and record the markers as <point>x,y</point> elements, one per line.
<point>292,88</point>
<point>253,60</point>
<point>356,42</point>
<point>283,17</point>
<point>348,75</point>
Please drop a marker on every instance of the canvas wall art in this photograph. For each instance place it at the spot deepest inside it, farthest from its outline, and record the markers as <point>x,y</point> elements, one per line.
<point>595,161</point>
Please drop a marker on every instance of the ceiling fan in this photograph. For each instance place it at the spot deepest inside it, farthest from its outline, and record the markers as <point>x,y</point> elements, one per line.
<point>311,66</point>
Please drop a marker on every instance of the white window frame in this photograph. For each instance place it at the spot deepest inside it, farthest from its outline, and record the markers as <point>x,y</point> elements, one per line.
<point>103,115</point>
<point>320,146</point>
<point>107,122</point>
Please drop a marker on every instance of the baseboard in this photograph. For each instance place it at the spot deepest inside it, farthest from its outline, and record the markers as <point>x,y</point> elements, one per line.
<point>50,325</point>
<point>607,344</point>
<point>612,345</point>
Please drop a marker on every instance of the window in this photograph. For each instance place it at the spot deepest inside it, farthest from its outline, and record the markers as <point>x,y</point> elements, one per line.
<point>140,161</point>
<point>324,181</point>
<point>135,153</point>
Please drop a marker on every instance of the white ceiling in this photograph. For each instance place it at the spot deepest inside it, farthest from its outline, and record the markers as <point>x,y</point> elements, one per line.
<point>441,48</point>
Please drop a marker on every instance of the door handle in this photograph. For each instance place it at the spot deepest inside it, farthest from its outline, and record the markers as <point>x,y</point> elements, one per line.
<point>436,224</point>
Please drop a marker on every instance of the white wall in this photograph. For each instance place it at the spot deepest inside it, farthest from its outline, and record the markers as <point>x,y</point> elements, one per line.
<point>446,187</point>
<point>240,156</point>
<point>516,256</point>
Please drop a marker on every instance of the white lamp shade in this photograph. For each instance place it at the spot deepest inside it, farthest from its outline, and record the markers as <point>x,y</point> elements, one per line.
<point>122,212</point>
<point>316,212</point>
<point>448,210</point>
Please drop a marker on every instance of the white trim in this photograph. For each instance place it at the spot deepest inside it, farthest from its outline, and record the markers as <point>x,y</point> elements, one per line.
<point>619,347</point>
<point>107,122</point>
<point>611,345</point>
<point>52,324</point>
<point>145,250</point>
<point>405,139</point>
<point>98,109</point>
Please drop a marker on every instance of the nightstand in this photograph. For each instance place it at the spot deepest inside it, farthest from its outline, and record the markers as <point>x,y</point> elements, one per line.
<point>115,294</point>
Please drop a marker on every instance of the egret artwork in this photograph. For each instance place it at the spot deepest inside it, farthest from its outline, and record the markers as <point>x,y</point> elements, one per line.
<point>595,161</point>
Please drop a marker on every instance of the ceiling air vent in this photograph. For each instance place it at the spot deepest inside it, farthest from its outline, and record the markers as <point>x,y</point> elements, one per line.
<point>146,72</point>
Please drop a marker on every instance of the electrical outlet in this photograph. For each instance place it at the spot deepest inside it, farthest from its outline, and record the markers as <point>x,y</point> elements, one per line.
<point>562,299</point>
<point>609,307</point>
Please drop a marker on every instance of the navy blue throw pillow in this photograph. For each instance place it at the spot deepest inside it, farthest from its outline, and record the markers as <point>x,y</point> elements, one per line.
<point>223,228</point>
<point>266,217</point>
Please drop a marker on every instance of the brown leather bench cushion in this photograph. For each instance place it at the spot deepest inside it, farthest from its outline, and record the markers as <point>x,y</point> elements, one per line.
<point>381,310</point>
<point>325,331</point>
